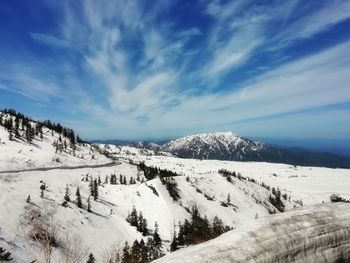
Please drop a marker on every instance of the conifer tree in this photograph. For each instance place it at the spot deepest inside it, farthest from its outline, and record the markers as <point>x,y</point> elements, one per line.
<point>89,205</point>
<point>157,242</point>
<point>91,186</point>
<point>229,198</point>
<point>144,251</point>
<point>4,256</point>
<point>135,251</point>
<point>77,194</point>
<point>126,253</point>
<point>173,245</point>
<point>91,259</point>
<point>95,190</point>
<point>144,228</point>
<point>28,199</point>
<point>67,194</point>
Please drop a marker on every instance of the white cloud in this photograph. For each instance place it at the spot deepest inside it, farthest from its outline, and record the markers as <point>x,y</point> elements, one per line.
<point>49,40</point>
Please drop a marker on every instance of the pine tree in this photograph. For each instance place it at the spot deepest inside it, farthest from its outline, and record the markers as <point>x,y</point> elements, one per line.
<point>28,199</point>
<point>91,186</point>
<point>126,253</point>
<point>89,205</point>
<point>173,245</point>
<point>144,228</point>
<point>229,198</point>
<point>91,259</point>
<point>133,217</point>
<point>95,190</point>
<point>4,256</point>
<point>67,195</point>
<point>144,251</point>
<point>140,222</point>
<point>135,251</point>
<point>99,180</point>
<point>157,242</point>
<point>77,194</point>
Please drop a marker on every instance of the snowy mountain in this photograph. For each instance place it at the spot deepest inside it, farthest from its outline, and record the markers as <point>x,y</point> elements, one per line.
<point>230,146</point>
<point>146,145</point>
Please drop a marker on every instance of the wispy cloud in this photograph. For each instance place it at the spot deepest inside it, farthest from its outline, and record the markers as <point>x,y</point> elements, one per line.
<point>49,40</point>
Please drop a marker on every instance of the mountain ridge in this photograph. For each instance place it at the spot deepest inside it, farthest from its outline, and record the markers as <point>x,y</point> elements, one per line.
<point>233,147</point>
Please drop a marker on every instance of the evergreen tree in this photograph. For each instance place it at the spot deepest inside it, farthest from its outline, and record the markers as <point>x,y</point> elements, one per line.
<point>89,205</point>
<point>229,198</point>
<point>157,242</point>
<point>10,135</point>
<point>144,251</point>
<point>28,199</point>
<point>139,222</point>
<point>77,194</point>
<point>91,186</point>
<point>95,190</point>
<point>136,252</point>
<point>66,194</point>
<point>133,217</point>
<point>4,256</point>
<point>144,229</point>
<point>173,245</point>
<point>126,253</point>
<point>91,259</point>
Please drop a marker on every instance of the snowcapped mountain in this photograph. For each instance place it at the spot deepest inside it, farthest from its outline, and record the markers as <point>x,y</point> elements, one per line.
<point>231,146</point>
<point>220,145</point>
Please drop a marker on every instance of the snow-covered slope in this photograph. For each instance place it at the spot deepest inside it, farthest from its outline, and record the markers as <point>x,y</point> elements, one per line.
<point>19,154</point>
<point>319,233</point>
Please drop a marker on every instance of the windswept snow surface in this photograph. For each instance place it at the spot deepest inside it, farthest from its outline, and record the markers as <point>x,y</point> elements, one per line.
<point>319,233</point>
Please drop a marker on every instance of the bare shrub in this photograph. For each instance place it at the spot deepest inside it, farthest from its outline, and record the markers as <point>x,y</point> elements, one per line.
<point>114,254</point>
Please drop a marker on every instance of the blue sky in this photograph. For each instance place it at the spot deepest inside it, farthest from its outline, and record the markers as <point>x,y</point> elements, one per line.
<point>167,68</point>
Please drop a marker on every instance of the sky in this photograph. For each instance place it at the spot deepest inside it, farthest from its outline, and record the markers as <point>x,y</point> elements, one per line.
<point>132,69</point>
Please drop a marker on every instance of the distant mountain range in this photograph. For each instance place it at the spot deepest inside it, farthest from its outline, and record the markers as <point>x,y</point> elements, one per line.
<point>230,146</point>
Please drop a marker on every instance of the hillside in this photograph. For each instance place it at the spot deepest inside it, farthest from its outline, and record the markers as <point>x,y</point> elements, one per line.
<point>315,234</point>
<point>43,148</point>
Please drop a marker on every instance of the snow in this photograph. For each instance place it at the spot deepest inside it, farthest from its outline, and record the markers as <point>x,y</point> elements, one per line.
<point>102,229</point>
<point>18,154</point>
<point>318,233</point>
